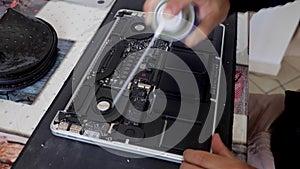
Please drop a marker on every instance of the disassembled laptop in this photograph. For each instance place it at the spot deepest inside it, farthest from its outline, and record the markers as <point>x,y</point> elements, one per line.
<point>154,117</point>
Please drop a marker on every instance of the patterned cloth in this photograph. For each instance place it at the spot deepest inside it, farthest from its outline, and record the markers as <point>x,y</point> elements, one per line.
<point>2,11</point>
<point>10,149</point>
<point>263,111</point>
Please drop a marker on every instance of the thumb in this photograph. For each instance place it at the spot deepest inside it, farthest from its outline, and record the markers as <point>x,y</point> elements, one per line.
<point>219,148</point>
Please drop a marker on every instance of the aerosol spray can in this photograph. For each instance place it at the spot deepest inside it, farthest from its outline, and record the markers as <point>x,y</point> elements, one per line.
<point>177,27</point>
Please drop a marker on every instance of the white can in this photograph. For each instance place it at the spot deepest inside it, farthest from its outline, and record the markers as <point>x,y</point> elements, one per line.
<point>177,27</point>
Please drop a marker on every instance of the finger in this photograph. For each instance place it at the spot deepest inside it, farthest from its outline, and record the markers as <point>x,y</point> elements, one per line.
<point>186,165</point>
<point>174,6</point>
<point>204,159</point>
<point>194,38</point>
<point>148,8</point>
<point>218,147</point>
<point>197,157</point>
<point>148,18</point>
<point>149,5</point>
<point>208,23</point>
<point>205,27</point>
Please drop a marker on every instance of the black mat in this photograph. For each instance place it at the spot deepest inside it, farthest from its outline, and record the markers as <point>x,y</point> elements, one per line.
<point>28,50</point>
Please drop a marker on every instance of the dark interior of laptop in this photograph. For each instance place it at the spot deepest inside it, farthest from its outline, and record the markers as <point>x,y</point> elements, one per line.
<point>150,104</point>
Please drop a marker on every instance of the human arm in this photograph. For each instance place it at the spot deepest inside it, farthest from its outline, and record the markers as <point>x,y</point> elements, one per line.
<point>221,157</point>
<point>211,12</point>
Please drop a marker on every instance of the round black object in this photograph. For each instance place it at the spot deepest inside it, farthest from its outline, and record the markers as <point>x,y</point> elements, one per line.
<point>131,131</point>
<point>28,50</point>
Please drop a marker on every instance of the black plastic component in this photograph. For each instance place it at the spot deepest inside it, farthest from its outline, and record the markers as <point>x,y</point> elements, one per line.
<point>68,117</point>
<point>124,12</point>
<point>133,133</point>
<point>111,60</point>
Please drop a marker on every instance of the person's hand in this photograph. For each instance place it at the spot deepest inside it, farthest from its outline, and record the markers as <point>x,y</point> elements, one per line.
<point>210,14</point>
<point>221,157</point>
